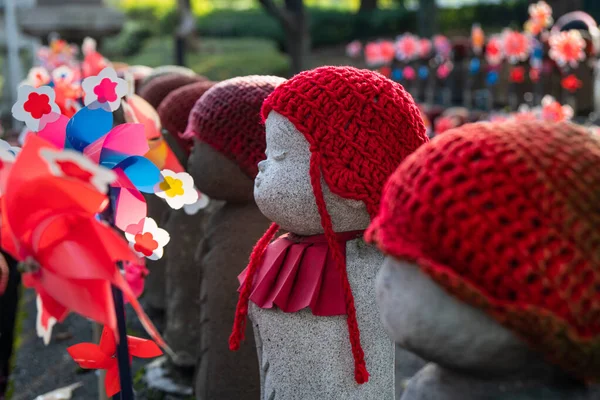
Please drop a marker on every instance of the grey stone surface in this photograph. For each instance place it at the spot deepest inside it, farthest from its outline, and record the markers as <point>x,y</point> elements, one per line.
<point>231,233</point>
<point>155,285</point>
<point>474,357</point>
<point>303,356</point>
<point>182,274</point>
<point>436,383</point>
<point>283,191</point>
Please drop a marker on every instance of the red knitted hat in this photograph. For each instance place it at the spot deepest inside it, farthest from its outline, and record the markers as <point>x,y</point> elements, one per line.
<point>506,217</point>
<point>227,117</point>
<point>175,109</point>
<point>157,89</point>
<point>359,126</point>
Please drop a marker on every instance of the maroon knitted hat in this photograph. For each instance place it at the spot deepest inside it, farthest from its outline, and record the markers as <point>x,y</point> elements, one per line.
<point>506,217</point>
<point>175,109</point>
<point>227,117</point>
<point>157,89</point>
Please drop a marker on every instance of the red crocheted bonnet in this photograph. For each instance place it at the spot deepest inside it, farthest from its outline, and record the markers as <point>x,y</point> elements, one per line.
<point>157,89</point>
<point>506,217</point>
<point>175,109</point>
<point>227,117</point>
<point>359,126</point>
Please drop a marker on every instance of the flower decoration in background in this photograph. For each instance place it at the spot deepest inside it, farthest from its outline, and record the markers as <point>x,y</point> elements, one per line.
<point>442,45</point>
<point>135,275</point>
<point>103,356</point>
<point>445,70</point>
<point>409,73</point>
<point>567,48</point>
<point>407,47</point>
<point>517,46</point>
<point>474,66</point>
<point>397,74</point>
<point>35,106</point>
<point>571,83</point>
<point>373,55</point>
<point>492,77</point>
<point>517,75</point>
<point>477,39</point>
<point>353,49</point>
<point>425,48</point>
<point>445,123</point>
<point>38,76</point>
<point>423,72</point>
<point>540,13</point>
<point>388,51</point>
<point>385,71</point>
<point>494,53</point>
<point>177,189</point>
<point>534,74</point>
<point>525,113</point>
<point>553,111</point>
<point>105,89</point>
<point>93,62</point>
<point>149,240</point>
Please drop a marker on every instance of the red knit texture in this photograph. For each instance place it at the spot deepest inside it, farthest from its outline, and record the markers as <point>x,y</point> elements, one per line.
<point>157,89</point>
<point>506,217</point>
<point>359,126</point>
<point>227,117</point>
<point>175,109</point>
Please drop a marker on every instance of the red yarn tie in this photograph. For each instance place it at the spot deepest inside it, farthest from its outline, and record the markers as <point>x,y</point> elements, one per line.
<point>241,311</point>
<point>360,368</point>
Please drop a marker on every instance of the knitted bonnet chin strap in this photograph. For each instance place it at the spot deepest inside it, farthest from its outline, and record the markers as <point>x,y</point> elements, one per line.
<point>360,369</point>
<point>241,311</point>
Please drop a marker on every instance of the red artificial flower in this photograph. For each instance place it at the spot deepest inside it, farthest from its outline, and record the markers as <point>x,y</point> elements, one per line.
<point>571,83</point>
<point>517,75</point>
<point>103,356</point>
<point>534,74</point>
<point>37,105</point>
<point>385,71</point>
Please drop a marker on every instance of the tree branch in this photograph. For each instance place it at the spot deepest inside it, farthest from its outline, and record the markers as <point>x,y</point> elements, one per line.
<point>277,12</point>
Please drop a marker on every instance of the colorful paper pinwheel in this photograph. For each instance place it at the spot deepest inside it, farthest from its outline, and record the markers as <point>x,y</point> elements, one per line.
<point>49,203</point>
<point>102,356</point>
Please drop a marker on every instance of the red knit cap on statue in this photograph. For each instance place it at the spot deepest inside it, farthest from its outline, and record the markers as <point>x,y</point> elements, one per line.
<point>175,109</point>
<point>506,217</point>
<point>227,117</point>
<point>359,126</point>
<point>157,89</point>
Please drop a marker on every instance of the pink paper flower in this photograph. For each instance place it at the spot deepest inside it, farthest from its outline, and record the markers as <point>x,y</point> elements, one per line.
<point>35,107</point>
<point>567,48</point>
<point>409,73</point>
<point>135,275</point>
<point>540,13</point>
<point>442,46</point>
<point>553,111</point>
<point>353,49</point>
<point>494,53</point>
<point>444,70</point>
<point>106,89</point>
<point>407,47</point>
<point>517,46</point>
<point>425,47</point>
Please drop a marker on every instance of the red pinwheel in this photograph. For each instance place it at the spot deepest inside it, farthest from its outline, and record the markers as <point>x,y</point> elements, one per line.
<point>102,356</point>
<point>49,206</point>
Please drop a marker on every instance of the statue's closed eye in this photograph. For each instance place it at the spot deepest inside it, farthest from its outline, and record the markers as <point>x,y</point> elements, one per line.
<point>279,156</point>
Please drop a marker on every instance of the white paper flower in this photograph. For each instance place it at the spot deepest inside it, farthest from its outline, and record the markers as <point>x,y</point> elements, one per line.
<point>43,322</point>
<point>149,240</point>
<point>7,152</point>
<point>201,203</point>
<point>38,76</point>
<point>105,89</point>
<point>553,111</point>
<point>177,189</point>
<point>69,163</point>
<point>35,107</point>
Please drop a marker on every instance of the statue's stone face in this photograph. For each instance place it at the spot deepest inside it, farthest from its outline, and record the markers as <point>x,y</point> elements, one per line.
<point>283,190</point>
<point>425,319</point>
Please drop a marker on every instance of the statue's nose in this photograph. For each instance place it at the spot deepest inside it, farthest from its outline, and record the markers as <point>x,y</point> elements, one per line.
<point>262,166</point>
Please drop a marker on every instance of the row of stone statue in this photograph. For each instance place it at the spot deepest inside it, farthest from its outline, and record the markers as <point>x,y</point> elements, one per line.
<point>477,253</point>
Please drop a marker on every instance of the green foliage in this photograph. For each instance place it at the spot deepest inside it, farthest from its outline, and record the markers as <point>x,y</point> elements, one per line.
<point>130,40</point>
<point>490,16</point>
<point>217,59</point>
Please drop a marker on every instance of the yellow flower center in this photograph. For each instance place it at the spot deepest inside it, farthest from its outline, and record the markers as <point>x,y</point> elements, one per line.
<point>172,186</point>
